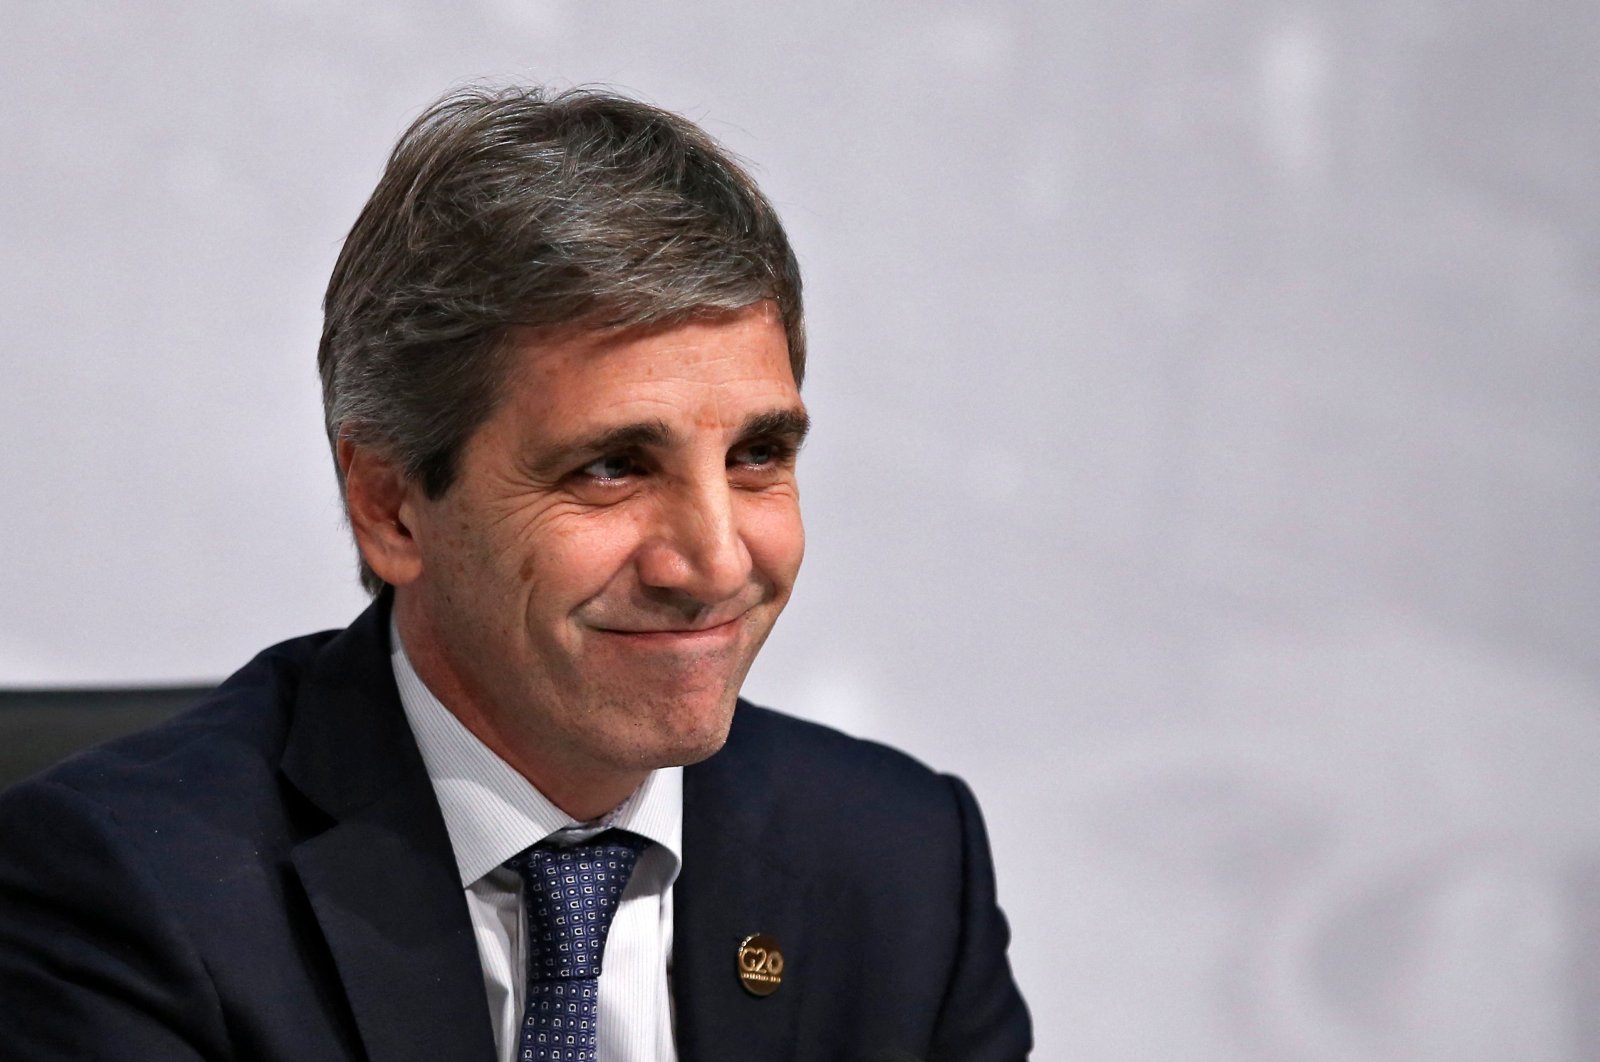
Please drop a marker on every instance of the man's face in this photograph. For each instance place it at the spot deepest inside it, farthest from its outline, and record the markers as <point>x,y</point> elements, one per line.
<point>621,536</point>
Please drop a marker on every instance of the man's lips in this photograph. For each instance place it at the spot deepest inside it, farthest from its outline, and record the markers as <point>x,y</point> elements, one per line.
<point>700,632</point>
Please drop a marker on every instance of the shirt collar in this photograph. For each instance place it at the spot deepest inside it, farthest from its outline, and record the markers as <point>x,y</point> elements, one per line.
<point>491,811</point>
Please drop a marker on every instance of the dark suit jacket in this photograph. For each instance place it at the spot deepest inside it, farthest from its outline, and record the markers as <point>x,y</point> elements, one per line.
<point>268,877</point>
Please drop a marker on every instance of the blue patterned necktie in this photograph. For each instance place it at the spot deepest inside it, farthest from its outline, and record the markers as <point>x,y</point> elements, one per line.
<point>571,892</point>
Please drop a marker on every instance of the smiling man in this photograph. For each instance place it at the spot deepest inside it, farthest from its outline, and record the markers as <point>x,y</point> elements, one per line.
<point>517,809</point>
<point>624,530</point>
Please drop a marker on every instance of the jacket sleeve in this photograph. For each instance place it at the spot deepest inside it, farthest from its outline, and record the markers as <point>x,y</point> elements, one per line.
<point>93,963</point>
<point>983,1018</point>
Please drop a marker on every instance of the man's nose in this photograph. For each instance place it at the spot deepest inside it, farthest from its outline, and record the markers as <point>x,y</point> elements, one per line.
<point>697,548</point>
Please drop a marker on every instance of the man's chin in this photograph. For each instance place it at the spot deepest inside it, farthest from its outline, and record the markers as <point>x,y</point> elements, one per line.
<point>699,751</point>
<point>684,741</point>
<point>686,747</point>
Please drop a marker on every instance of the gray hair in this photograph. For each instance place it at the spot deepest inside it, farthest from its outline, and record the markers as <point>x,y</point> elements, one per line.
<point>507,208</point>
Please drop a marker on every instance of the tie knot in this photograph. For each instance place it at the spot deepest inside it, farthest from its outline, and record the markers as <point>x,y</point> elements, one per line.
<point>571,893</point>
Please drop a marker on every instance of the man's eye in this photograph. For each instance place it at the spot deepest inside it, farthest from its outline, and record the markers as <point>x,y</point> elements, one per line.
<point>758,453</point>
<point>612,466</point>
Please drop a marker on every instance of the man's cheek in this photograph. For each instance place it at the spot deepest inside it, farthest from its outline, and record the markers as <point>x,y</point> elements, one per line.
<point>776,539</point>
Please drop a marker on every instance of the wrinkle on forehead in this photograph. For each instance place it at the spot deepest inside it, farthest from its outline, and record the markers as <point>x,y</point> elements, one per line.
<point>713,371</point>
<point>581,341</point>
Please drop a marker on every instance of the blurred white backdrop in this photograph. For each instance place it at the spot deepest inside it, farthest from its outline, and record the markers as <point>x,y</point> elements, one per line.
<point>1204,467</point>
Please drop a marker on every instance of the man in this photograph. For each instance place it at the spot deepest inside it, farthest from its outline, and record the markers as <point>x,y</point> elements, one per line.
<point>561,366</point>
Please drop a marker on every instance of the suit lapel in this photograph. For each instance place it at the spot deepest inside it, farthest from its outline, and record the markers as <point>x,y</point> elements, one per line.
<point>735,881</point>
<point>382,879</point>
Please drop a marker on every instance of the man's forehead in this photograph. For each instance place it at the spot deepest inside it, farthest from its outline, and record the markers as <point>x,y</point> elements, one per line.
<point>706,380</point>
<point>601,334</point>
<point>738,355</point>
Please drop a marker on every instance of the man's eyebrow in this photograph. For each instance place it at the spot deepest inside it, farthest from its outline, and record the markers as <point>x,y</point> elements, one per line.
<point>790,424</point>
<point>634,436</point>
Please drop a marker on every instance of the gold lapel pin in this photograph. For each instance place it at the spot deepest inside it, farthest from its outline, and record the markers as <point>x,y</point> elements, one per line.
<point>760,964</point>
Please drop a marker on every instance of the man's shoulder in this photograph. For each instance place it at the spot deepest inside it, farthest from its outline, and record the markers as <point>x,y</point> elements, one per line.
<point>819,780</point>
<point>232,733</point>
<point>788,745</point>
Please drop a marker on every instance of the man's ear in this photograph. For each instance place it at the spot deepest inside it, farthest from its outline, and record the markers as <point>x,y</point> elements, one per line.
<point>378,497</point>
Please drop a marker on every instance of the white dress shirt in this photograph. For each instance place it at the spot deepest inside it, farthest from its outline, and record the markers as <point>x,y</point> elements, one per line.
<point>492,813</point>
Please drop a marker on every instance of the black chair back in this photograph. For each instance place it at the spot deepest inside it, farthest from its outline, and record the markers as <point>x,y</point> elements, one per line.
<point>40,727</point>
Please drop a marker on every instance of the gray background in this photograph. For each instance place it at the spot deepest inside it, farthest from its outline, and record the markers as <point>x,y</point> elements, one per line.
<point>1204,465</point>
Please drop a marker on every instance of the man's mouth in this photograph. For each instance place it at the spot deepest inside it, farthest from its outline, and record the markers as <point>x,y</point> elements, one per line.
<point>720,628</point>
